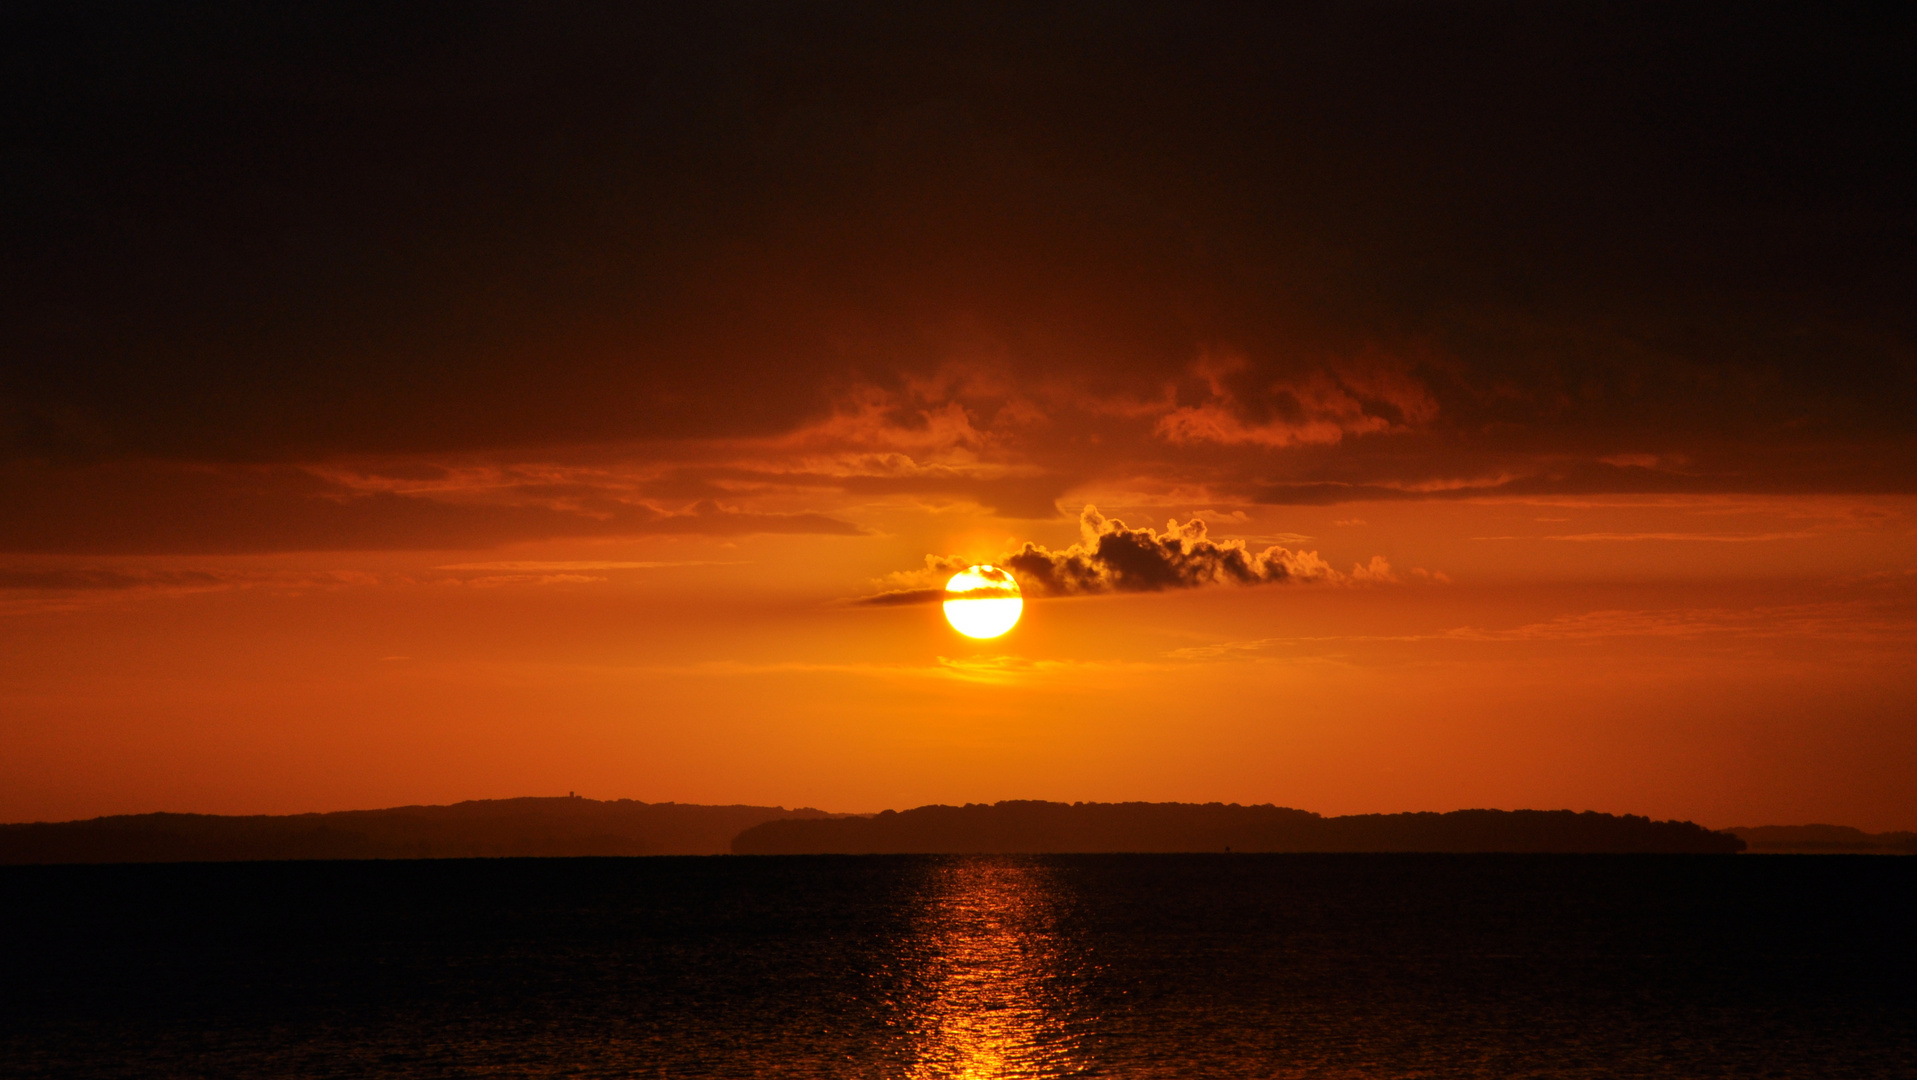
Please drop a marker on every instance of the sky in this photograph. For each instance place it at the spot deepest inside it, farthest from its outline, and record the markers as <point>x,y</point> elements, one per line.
<point>1383,407</point>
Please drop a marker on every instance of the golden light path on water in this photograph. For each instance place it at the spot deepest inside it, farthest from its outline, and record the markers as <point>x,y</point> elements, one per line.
<point>1001,995</point>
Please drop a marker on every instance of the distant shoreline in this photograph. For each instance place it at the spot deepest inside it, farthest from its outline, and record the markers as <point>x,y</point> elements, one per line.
<point>564,827</point>
<point>1823,840</point>
<point>570,826</point>
<point>1027,827</point>
<point>487,828</point>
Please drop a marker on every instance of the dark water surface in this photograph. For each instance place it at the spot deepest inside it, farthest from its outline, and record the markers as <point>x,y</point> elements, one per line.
<point>1121,966</point>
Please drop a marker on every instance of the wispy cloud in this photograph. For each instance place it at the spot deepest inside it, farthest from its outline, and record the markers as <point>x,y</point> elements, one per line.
<point>1244,406</point>
<point>979,669</point>
<point>161,508</point>
<point>1706,538</point>
<point>494,581</point>
<point>1841,620</point>
<point>1846,621</point>
<point>31,590</point>
<point>562,566</point>
<point>88,579</point>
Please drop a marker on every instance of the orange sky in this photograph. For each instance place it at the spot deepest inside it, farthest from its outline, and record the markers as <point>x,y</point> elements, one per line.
<point>409,406</point>
<point>1678,662</point>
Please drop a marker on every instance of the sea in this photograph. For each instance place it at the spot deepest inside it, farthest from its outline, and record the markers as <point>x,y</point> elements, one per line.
<point>1217,965</point>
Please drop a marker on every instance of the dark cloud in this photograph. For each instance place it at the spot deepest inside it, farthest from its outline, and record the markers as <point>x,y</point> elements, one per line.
<point>985,582</point>
<point>1306,252</point>
<point>1111,557</point>
<point>1013,497</point>
<point>902,598</point>
<point>148,509</point>
<point>92,579</point>
<point>1009,496</point>
<point>999,584</point>
<point>1114,557</point>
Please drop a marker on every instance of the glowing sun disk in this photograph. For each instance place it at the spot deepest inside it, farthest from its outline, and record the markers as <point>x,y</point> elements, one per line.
<point>982,602</point>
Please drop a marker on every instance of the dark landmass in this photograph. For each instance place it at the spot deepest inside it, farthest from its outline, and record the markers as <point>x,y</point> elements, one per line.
<point>573,826</point>
<point>1037,827</point>
<point>1824,839</point>
<point>487,827</point>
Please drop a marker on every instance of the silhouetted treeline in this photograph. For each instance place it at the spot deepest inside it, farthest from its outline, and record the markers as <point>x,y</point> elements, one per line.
<point>492,827</point>
<point>1822,839</point>
<point>1009,827</point>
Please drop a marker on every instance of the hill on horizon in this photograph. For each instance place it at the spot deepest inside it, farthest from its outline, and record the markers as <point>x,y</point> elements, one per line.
<point>1021,826</point>
<point>1824,840</point>
<point>572,826</point>
<point>531,826</point>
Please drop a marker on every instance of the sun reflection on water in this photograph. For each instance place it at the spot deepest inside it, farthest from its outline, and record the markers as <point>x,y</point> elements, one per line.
<point>1001,993</point>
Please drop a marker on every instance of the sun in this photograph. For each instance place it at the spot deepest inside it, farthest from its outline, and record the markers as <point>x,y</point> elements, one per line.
<point>982,602</point>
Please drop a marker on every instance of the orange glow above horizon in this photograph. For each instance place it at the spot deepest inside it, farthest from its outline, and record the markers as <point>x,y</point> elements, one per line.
<point>1668,657</point>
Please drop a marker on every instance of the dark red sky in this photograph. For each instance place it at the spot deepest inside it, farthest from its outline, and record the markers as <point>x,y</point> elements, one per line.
<point>1594,317</point>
